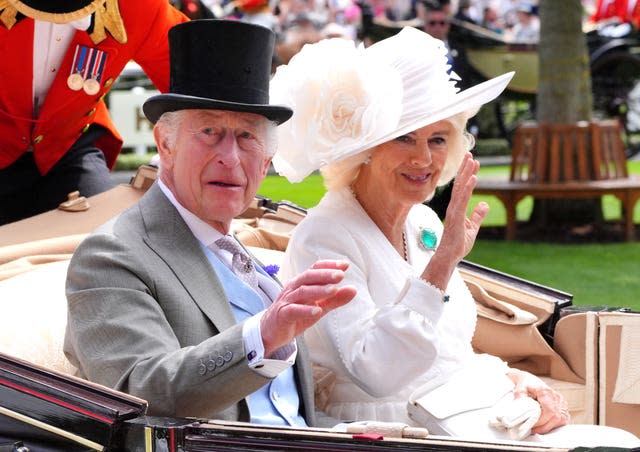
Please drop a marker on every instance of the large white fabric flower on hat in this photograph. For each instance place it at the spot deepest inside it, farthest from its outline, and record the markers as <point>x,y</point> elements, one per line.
<point>341,99</point>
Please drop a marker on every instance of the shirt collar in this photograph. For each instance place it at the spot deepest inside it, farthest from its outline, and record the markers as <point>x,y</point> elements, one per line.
<point>82,24</point>
<point>201,230</point>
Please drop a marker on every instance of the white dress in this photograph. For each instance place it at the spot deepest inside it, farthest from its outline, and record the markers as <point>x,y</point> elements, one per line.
<point>396,334</point>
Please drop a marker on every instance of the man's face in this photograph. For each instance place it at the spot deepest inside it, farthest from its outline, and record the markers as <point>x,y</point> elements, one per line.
<point>216,164</point>
<point>436,23</point>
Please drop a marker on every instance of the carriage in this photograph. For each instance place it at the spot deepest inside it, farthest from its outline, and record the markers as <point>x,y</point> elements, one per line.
<point>588,355</point>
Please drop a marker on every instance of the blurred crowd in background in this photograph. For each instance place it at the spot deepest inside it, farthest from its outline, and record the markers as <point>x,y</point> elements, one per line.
<point>297,22</point>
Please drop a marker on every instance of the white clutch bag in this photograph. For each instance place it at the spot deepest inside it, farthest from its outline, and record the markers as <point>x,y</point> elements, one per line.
<point>464,391</point>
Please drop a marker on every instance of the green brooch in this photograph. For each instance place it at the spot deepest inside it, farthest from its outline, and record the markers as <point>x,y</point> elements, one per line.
<point>427,239</point>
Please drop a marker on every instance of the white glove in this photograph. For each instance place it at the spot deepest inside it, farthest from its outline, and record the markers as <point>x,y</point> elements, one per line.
<point>517,417</point>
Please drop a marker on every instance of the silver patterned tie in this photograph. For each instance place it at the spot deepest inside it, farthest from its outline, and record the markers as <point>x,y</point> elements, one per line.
<point>241,263</point>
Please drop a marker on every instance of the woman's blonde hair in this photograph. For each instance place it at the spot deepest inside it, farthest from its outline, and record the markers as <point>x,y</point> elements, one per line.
<point>342,173</point>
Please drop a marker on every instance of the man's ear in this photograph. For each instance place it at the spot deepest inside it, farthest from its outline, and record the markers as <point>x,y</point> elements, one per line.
<point>265,169</point>
<point>162,142</point>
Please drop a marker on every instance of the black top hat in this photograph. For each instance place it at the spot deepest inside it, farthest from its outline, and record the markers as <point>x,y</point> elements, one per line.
<point>57,11</point>
<point>220,65</point>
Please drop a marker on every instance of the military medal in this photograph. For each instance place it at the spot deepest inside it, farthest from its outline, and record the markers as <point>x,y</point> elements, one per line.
<point>427,239</point>
<point>75,81</point>
<point>86,70</point>
<point>91,85</point>
<point>76,78</point>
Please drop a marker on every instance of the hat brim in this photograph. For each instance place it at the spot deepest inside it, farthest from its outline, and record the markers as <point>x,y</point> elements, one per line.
<point>56,13</point>
<point>469,100</point>
<point>156,105</point>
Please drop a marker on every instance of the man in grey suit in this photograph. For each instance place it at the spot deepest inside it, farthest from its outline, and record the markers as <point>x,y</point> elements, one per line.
<point>158,303</point>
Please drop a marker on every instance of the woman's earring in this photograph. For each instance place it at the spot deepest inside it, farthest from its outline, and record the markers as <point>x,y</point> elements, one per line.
<point>367,160</point>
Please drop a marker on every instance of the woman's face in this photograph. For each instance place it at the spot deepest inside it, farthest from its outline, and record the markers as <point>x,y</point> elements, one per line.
<point>408,167</point>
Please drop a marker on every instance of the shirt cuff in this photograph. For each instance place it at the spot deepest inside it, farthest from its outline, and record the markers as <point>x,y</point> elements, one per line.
<point>282,359</point>
<point>422,297</point>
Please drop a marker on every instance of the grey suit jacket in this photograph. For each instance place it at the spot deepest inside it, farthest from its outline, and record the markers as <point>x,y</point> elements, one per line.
<point>148,316</point>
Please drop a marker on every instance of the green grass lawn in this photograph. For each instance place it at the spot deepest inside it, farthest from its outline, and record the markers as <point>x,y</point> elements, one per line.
<point>596,274</point>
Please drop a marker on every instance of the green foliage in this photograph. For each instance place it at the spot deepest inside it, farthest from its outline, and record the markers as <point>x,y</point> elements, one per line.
<point>131,161</point>
<point>491,147</point>
<point>306,193</point>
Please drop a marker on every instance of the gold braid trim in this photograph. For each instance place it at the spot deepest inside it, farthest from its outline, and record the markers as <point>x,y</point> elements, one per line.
<point>107,18</point>
<point>56,18</point>
<point>7,14</point>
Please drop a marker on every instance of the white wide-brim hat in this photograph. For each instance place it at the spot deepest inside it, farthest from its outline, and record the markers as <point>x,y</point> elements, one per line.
<point>348,99</point>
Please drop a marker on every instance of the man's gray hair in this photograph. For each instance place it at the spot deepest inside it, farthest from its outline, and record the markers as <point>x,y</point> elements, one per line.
<point>170,121</point>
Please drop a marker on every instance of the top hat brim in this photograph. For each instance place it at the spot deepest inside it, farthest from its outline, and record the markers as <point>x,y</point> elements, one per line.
<point>60,11</point>
<point>156,105</point>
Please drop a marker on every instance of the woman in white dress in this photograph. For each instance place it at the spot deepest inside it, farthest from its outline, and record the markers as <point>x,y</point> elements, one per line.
<point>386,125</point>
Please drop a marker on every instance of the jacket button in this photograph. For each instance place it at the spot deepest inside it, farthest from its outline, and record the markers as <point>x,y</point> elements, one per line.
<point>227,355</point>
<point>219,361</point>
<point>202,369</point>
<point>38,139</point>
<point>108,82</point>
<point>92,111</point>
<point>85,128</point>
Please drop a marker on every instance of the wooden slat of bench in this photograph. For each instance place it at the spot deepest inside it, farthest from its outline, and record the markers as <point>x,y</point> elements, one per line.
<point>524,155</point>
<point>611,161</point>
<point>511,193</point>
<point>582,166</point>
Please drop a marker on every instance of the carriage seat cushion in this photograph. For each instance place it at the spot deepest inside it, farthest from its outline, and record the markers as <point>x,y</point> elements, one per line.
<point>33,316</point>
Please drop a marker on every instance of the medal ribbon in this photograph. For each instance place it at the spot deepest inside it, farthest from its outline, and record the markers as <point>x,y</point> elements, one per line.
<point>77,67</point>
<point>96,70</point>
<point>90,62</point>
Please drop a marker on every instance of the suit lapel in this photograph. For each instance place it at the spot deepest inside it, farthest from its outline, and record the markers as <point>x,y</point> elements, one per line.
<point>303,373</point>
<point>171,239</point>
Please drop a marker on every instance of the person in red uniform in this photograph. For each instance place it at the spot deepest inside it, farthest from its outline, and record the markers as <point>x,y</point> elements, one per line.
<point>59,60</point>
<point>623,10</point>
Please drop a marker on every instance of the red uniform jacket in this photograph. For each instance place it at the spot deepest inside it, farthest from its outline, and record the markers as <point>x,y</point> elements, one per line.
<point>66,114</point>
<point>625,10</point>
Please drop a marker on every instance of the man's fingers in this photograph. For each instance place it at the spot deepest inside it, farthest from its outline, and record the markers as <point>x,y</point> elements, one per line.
<point>331,264</point>
<point>314,308</point>
<point>327,272</point>
<point>319,294</point>
<point>342,296</point>
<point>294,312</point>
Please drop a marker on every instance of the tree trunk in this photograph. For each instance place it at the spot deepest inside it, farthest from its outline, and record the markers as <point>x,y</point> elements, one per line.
<point>564,96</point>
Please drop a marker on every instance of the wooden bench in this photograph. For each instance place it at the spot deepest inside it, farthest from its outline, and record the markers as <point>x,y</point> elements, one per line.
<point>566,161</point>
